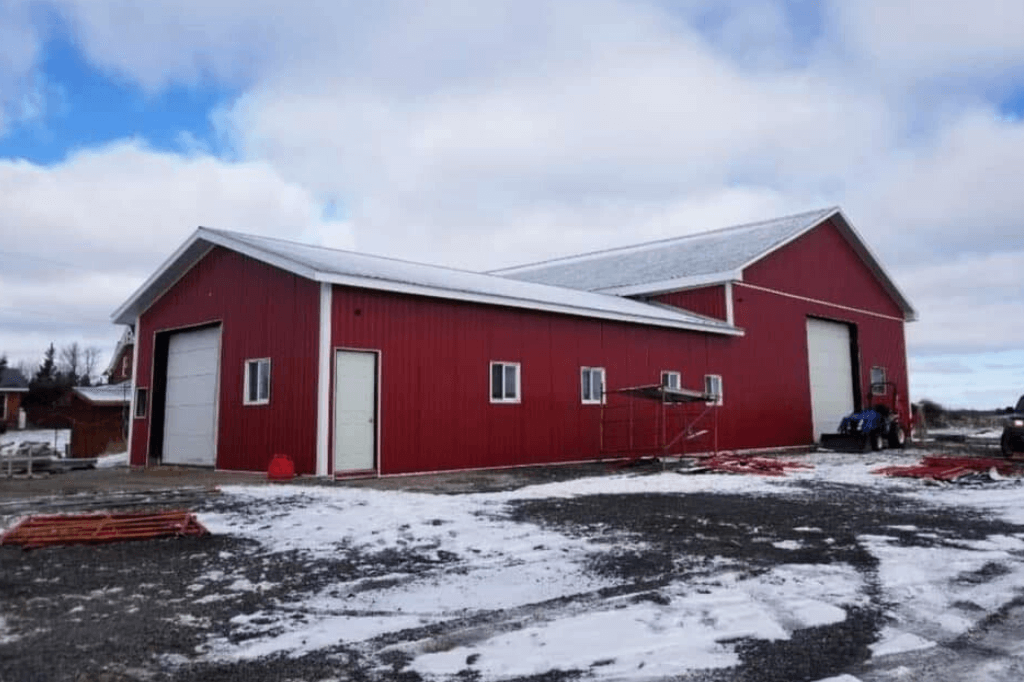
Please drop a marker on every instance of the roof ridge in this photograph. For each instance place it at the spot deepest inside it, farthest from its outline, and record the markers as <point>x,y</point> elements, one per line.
<point>359,254</point>
<point>526,267</point>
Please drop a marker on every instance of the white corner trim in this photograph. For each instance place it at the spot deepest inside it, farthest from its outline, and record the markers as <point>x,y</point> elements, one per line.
<point>323,380</point>
<point>131,401</point>
<point>730,315</point>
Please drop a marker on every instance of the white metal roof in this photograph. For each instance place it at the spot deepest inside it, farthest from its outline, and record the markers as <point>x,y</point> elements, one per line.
<point>107,394</point>
<point>387,274</point>
<point>693,260</point>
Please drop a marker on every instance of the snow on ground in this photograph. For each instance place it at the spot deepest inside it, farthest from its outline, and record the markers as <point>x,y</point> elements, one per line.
<point>501,564</point>
<point>110,461</point>
<point>647,640</point>
<point>58,438</point>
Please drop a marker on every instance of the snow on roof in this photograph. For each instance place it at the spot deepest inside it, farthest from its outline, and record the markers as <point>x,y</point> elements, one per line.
<point>705,254</point>
<point>388,274</point>
<point>11,380</point>
<point>107,394</point>
<point>127,339</point>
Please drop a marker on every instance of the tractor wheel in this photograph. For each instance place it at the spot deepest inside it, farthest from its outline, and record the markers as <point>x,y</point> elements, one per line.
<point>897,436</point>
<point>1006,445</point>
<point>877,440</point>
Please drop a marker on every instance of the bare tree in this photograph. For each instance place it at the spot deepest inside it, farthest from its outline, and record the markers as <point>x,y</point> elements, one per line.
<point>27,369</point>
<point>90,361</point>
<point>70,363</point>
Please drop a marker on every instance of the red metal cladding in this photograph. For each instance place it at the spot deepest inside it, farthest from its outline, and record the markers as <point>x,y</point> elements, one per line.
<point>263,312</point>
<point>822,265</point>
<point>435,411</point>
<point>709,301</point>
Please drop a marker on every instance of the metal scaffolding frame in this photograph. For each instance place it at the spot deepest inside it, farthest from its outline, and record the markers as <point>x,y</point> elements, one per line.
<point>658,421</point>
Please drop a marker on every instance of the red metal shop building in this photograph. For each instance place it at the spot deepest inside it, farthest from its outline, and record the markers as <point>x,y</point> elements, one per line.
<point>249,346</point>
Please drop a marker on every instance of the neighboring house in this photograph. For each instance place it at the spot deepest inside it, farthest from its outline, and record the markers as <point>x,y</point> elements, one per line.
<point>120,367</point>
<point>98,417</point>
<point>12,387</point>
<point>251,346</point>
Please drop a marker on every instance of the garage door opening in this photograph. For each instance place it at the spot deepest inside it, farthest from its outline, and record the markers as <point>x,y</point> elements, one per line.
<point>186,379</point>
<point>833,364</point>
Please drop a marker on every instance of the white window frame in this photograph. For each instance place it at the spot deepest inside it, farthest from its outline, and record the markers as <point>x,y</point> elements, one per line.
<point>587,382</point>
<point>258,400</point>
<point>871,378</point>
<point>504,364</point>
<point>671,374</point>
<point>710,379</point>
<point>141,400</point>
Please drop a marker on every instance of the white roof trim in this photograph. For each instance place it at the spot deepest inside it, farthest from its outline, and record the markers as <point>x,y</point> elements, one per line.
<point>200,243</point>
<point>121,315</point>
<point>679,284</point>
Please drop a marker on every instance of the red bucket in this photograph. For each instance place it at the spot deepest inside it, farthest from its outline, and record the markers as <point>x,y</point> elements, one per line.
<point>281,468</point>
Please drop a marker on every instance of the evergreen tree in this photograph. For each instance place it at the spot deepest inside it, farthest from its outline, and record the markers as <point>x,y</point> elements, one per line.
<point>47,372</point>
<point>3,362</point>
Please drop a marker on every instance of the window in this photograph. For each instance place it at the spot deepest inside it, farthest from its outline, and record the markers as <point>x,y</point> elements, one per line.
<point>592,384</point>
<point>124,365</point>
<point>257,381</point>
<point>504,382</point>
<point>713,386</point>
<point>878,381</point>
<point>141,402</point>
<point>3,407</point>
<point>671,379</point>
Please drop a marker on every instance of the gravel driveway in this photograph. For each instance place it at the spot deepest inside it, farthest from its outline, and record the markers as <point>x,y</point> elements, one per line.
<point>593,574</point>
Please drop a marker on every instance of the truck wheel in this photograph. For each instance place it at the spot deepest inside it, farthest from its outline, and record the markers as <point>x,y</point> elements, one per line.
<point>1005,445</point>
<point>897,436</point>
<point>877,440</point>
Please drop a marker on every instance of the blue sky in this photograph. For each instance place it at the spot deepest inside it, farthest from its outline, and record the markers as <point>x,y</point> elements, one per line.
<point>86,107</point>
<point>486,134</point>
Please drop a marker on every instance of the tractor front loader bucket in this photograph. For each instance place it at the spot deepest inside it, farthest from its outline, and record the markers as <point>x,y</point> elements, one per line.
<point>846,442</point>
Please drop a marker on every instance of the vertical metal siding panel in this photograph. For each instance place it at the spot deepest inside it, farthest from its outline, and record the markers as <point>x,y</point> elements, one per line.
<point>709,301</point>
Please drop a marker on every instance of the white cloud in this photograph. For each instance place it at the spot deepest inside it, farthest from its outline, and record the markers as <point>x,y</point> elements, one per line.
<point>78,237</point>
<point>22,93</point>
<point>920,39</point>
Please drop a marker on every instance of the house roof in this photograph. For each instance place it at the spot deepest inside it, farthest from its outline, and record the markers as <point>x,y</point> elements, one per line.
<point>127,340</point>
<point>107,394</point>
<point>11,381</point>
<point>694,260</point>
<point>387,274</point>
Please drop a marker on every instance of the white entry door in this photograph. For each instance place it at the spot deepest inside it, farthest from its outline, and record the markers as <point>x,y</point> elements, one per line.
<point>831,368</point>
<point>355,410</point>
<point>190,406</point>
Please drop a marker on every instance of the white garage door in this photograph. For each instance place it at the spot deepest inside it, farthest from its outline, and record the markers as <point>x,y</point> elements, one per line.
<point>355,410</point>
<point>190,409</point>
<point>828,356</point>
